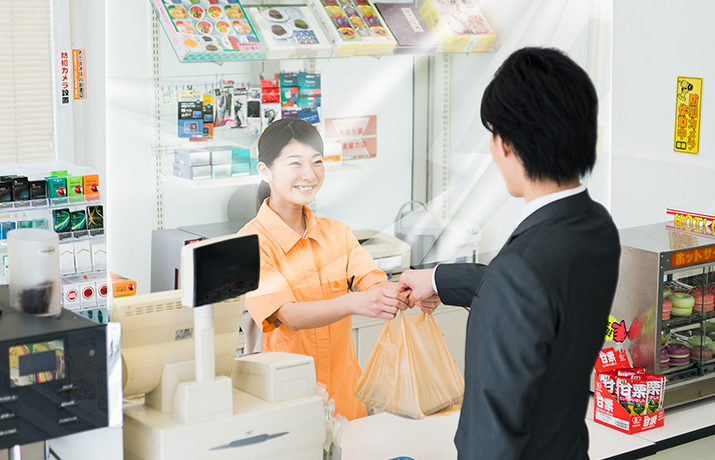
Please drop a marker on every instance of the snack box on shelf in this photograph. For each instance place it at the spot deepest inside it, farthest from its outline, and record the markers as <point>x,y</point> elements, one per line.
<point>626,399</point>
<point>409,29</point>
<point>354,27</point>
<point>205,32</point>
<point>458,26</point>
<point>122,286</point>
<point>290,32</point>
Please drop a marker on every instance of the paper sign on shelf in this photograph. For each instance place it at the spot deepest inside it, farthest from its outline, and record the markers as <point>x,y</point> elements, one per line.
<point>358,136</point>
<point>688,105</point>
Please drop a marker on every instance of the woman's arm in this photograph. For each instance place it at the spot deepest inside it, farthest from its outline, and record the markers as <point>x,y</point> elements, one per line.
<point>377,302</point>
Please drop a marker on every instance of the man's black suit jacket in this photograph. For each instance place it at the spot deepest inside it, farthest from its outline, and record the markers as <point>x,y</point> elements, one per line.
<point>537,321</point>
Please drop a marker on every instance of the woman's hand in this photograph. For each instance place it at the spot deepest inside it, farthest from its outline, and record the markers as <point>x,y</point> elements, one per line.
<point>378,302</point>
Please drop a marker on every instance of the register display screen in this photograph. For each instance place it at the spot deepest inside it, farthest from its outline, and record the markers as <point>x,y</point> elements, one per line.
<point>37,363</point>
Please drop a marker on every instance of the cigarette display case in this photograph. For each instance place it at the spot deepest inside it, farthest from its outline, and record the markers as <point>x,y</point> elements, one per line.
<point>662,314</point>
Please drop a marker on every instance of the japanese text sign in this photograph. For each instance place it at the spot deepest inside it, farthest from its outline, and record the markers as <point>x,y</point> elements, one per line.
<point>64,77</point>
<point>693,256</point>
<point>688,106</point>
<point>79,72</point>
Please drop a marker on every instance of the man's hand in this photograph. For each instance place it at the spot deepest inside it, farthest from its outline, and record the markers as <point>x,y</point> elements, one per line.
<point>378,302</point>
<point>419,282</point>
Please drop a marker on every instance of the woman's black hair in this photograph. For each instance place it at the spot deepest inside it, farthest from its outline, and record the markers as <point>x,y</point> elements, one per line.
<point>545,108</point>
<point>276,136</point>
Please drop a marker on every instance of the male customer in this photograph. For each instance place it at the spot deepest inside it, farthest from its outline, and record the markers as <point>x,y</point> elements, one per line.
<point>539,310</point>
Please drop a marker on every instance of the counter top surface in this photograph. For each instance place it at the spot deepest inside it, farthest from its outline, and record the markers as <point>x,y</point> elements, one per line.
<point>385,436</point>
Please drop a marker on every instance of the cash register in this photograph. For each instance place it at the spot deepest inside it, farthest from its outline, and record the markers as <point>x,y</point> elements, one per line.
<point>199,400</point>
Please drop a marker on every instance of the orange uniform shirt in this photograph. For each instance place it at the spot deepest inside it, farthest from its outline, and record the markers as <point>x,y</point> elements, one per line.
<point>304,269</point>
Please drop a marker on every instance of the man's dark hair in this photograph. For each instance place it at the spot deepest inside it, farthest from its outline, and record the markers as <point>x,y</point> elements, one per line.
<point>544,107</point>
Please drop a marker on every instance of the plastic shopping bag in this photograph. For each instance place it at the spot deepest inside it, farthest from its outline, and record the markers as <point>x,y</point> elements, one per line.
<point>410,372</point>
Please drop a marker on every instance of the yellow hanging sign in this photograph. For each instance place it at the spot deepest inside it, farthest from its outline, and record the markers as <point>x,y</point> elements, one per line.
<point>688,104</point>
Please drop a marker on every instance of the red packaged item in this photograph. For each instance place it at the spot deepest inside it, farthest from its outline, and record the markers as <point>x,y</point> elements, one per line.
<point>633,394</point>
<point>656,385</point>
<point>610,381</point>
<point>640,392</point>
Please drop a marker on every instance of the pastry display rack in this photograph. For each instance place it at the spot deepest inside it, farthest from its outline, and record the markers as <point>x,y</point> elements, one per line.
<point>656,262</point>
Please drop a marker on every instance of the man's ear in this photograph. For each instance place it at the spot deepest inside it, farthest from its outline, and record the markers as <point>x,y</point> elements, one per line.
<point>503,149</point>
<point>263,172</point>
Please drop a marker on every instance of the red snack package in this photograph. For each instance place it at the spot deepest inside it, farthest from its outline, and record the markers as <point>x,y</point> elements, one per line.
<point>610,382</point>
<point>656,392</point>
<point>630,372</point>
<point>633,394</point>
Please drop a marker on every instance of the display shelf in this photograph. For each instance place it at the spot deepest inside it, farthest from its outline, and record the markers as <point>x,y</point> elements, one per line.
<point>330,171</point>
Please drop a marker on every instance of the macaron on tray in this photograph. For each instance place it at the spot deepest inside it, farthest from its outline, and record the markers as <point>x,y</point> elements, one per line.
<point>209,30</point>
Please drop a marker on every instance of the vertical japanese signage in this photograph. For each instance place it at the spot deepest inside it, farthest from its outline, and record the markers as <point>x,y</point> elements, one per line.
<point>64,77</point>
<point>688,104</point>
<point>79,72</point>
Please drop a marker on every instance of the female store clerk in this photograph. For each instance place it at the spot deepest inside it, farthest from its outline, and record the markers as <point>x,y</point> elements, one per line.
<point>308,265</point>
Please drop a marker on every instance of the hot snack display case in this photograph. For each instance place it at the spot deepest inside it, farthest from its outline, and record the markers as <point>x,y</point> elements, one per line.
<point>662,314</point>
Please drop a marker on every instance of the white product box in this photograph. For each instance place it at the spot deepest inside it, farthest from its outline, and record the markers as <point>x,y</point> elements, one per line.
<point>88,293</point>
<point>70,294</point>
<point>192,172</point>
<point>192,157</point>
<point>290,32</point>
<point>221,171</point>
<point>83,256</point>
<point>352,28</point>
<point>221,155</point>
<point>67,262</point>
<point>99,256</point>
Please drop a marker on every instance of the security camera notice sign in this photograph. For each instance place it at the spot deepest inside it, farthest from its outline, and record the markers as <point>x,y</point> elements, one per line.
<point>356,135</point>
<point>688,103</point>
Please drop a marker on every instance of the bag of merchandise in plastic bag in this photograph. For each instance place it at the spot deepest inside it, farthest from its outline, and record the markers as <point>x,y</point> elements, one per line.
<point>410,372</point>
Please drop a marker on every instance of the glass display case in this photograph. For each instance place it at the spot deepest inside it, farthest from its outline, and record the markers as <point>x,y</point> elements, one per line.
<point>663,313</point>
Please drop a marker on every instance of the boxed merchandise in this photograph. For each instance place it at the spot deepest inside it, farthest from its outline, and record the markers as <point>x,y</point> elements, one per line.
<point>190,109</point>
<point>192,157</point>
<point>62,220</point>
<point>87,293</point>
<point>354,27</point>
<point>40,223</point>
<point>75,192</point>
<point>221,155</point>
<point>95,220</point>
<point>290,32</point>
<point>627,399</point>
<point>20,190</point>
<point>240,155</point>
<point>458,26</point>
<point>38,193</point>
<point>67,260</point>
<point>240,169</point>
<point>83,256</point>
<point>99,256</point>
<point>90,183</point>
<point>409,29</point>
<point>192,172</point>
<point>6,227</point>
<point>78,222</point>
<point>206,32</point>
<point>57,189</point>
<point>121,286</point>
<point>6,194</point>
<point>221,171</point>
<point>70,294</point>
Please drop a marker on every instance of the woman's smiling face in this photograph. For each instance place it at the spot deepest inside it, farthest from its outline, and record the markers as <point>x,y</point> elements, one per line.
<point>296,175</point>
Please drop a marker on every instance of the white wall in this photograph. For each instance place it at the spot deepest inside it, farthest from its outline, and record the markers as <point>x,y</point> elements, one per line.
<point>648,175</point>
